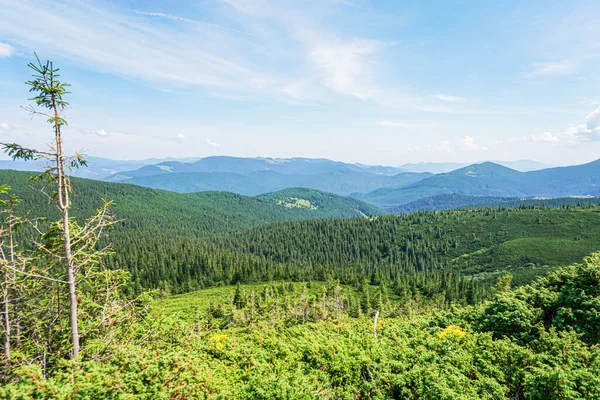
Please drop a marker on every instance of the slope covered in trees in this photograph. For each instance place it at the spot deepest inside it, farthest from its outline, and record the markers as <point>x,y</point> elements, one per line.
<point>482,243</point>
<point>460,201</point>
<point>188,214</point>
<point>478,241</point>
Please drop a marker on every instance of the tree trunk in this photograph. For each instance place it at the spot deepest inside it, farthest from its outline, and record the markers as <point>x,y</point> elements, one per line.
<point>64,204</point>
<point>375,324</point>
<point>71,284</point>
<point>9,278</point>
<point>6,321</point>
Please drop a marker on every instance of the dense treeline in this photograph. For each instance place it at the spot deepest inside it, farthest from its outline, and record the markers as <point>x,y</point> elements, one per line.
<point>460,201</point>
<point>387,247</point>
<point>485,243</point>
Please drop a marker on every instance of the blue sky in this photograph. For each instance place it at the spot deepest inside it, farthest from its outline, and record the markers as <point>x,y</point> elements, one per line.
<point>379,82</point>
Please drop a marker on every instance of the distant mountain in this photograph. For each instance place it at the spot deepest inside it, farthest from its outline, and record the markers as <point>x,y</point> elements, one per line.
<point>440,168</point>
<point>97,168</point>
<point>431,167</point>
<point>489,179</point>
<point>259,182</point>
<point>524,165</point>
<point>238,165</point>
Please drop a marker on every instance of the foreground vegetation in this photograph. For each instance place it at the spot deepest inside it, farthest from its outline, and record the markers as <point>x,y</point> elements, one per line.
<point>534,342</point>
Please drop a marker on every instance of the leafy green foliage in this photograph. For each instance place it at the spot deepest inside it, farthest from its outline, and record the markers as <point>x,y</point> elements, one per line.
<point>431,354</point>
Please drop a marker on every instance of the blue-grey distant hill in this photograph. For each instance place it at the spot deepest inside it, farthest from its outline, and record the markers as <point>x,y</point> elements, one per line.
<point>240,165</point>
<point>254,183</point>
<point>98,168</point>
<point>252,176</point>
<point>490,179</point>
<point>384,186</point>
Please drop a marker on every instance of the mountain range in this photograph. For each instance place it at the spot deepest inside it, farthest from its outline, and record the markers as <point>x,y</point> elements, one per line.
<point>386,187</point>
<point>489,179</point>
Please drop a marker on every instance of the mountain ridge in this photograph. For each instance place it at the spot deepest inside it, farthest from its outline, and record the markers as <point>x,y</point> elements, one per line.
<point>490,179</point>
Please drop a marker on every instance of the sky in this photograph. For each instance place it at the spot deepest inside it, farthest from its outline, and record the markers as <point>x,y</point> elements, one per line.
<point>377,82</point>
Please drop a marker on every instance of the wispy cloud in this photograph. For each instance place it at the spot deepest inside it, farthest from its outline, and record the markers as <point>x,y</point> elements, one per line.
<point>194,21</point>
<point>330,62</point>
<point>449,98</point>
<point>100,132</point>
<point>405,125</point>
<point>552,69</point>
<point>344,67</point>
<point>180,137</point>
<point>126,44</point>
<point>545,137</point>
<point>211,143</point>
<point>276,50</point>
<point>6,50</point>
<point>469,143</point>
<point>445,147</point>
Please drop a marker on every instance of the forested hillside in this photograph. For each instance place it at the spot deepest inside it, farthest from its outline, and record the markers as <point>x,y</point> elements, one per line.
<point>188,214</point>
<point>527,242</point>
<point>459,201</point>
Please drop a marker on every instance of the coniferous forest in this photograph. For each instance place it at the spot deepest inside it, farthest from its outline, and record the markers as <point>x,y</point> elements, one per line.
<point>121,292</point>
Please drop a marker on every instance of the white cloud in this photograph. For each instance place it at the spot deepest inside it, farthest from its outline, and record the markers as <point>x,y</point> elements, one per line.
<point>587,132</point>
<point>552,69</point>
<point>344,66</point>
<point>545,137</point>
<point>406,125</point>
<point>179,137</point>
<point>449,98</point>
<point>469,143</point>
<point>445,147</point>
<point>6,50</point>
<point>5,126</point>
<point>101,133</point>
<point>593,119</point>
<point>211,143</point>
<point>307,89</point>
